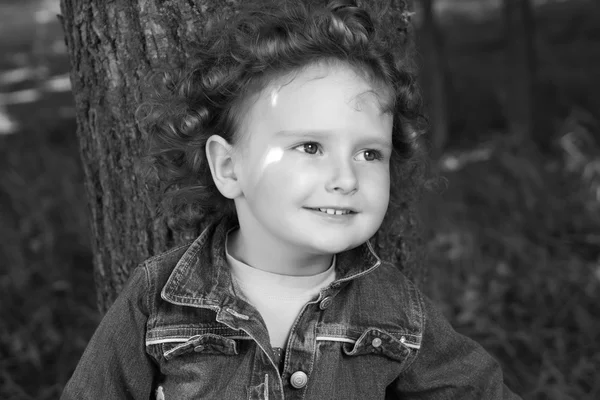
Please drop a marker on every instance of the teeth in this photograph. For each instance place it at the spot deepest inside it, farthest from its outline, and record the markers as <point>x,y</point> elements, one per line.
<point>334,212</point>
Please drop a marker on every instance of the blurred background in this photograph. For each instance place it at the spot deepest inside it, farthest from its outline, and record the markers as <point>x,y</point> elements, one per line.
<point>512,232</point>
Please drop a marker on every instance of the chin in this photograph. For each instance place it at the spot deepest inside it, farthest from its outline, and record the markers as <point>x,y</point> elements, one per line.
<point>335,247</point>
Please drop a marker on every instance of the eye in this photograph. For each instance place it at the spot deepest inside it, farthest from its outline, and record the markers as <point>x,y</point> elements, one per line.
<point>372,155</point>
<point>309,147</point>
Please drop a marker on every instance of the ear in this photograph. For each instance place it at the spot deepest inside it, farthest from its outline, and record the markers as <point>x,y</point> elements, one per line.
<point>219,154</point>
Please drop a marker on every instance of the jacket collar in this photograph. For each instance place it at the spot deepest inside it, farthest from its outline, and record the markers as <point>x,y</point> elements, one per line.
<point>202,277</point>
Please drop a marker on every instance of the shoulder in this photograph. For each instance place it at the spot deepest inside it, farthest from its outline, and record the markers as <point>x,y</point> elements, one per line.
<point>395,296</point>
<point>389,279</point>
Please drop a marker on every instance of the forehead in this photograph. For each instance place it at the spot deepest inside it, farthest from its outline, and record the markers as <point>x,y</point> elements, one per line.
<point>314,75</point>
<point>319,98</point>
<point>380,97</point>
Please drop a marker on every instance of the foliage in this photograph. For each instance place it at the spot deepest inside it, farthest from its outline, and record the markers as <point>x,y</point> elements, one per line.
<point>47,307</point>
<point>515,263</point>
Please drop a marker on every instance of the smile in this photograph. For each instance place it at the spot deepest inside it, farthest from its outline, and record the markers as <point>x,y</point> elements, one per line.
<point>333,211</point>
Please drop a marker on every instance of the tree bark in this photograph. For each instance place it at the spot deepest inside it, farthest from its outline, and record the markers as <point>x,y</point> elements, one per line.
<point>435,78</point>
<point>521,67</point>
<point>113,45</point>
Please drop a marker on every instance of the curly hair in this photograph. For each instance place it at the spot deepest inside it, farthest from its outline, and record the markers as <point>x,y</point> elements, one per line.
<point>240,57</point>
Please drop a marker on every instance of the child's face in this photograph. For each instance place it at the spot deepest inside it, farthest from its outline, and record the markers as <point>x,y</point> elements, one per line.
<point>315,142</point>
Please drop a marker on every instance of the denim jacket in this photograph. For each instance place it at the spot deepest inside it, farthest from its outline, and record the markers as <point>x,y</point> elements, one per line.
<point>178,331</point>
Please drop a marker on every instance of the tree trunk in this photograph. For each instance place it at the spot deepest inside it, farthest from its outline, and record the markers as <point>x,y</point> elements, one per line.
<point>435,78</point>
<point>113,45</point>
<point>521,67</point>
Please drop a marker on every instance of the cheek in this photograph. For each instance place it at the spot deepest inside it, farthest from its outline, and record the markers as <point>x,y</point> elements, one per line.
<point>275,171</point>
<point>258,170</point>
<point>377,176</point>
<point>376,185</point>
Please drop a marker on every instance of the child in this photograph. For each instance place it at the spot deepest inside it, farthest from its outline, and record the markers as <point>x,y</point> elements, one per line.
<point>292,131</point>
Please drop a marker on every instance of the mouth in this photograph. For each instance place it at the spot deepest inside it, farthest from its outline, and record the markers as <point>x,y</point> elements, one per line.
<point>333,211</point>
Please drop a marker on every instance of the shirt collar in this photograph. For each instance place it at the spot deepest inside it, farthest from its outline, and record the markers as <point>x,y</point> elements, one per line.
<point>202,277</point>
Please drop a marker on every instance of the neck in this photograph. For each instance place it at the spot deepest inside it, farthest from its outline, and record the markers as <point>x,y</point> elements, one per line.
<point>279,258</point>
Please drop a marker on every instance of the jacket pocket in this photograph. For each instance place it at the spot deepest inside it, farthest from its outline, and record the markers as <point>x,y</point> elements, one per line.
<point>208,343</point>
<point>378,342</point>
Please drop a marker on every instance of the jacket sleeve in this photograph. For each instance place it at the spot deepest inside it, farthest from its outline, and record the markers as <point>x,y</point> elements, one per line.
<point>449,366</point>
<point>115,364</point>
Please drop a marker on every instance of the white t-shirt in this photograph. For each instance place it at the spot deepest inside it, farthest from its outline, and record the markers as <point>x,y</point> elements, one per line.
<point>278,298</point>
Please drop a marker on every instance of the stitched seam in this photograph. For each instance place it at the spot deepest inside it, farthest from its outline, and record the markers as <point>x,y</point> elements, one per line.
<point>149,300</point>
<point>169,340</point>
<point>237,314</point>
<point>335,339</point>
<point>194,327</point>
<point>418,300</point>
<point>266,391</point>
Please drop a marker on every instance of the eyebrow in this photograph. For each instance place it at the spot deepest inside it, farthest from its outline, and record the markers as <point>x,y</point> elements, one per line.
<point>320,133</point>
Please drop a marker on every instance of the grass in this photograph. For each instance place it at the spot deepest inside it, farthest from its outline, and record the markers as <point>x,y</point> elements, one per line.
<point>512,242</point>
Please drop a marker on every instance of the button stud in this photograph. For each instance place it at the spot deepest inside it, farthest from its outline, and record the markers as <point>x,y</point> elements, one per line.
<point>325,303</point>
<point>298,379</point>
<point>376,342</point>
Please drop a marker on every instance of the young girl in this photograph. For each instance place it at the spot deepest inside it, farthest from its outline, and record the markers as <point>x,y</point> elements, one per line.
<point>293,130</point>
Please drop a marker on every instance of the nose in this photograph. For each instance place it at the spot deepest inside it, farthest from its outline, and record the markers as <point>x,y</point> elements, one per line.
<point>343,178</point>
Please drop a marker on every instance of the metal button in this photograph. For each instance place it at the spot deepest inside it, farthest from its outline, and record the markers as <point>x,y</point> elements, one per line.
<point>326,302</point>
<point>299,379</point>
<point>376,342</point>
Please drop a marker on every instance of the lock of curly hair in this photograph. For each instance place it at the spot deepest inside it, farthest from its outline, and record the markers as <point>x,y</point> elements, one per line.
<point>238,58</point>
